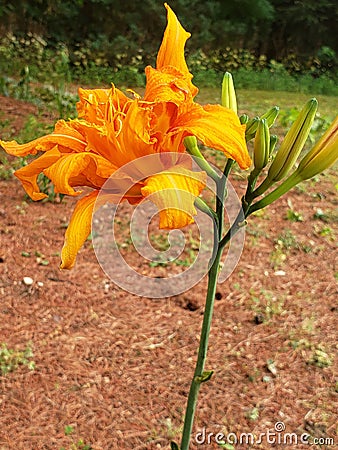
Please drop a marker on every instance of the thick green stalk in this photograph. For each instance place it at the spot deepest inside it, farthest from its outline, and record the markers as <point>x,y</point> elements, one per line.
<point>251,185</point>
<point>199,375</point>
<point>220,196</point>
<point>202,353</point>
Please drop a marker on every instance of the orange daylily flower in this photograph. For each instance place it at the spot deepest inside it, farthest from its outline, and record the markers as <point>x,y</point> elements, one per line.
<point>113,130</point>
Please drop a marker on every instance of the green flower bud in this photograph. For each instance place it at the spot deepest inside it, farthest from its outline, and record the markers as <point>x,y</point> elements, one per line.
<point>271,116</point>
<point>293,142</point>
<point>251,128</point>
<point>252,124</point>
<point>244,119</point>
<point>262,145</point>
<point>273,142</point>
<point>323,155</point>
<point>228,92</point>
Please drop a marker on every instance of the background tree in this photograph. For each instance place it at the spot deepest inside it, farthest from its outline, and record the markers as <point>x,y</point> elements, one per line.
<point>276,28</point>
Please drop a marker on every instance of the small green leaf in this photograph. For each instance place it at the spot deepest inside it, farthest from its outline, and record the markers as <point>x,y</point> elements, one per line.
<point>294,216</point>
<point>31,365</point>
<point>43,262</point>
<point>227,446</point>
<point>206,375</point>
<point>69,430</point>
<point>174,446</point>
<point>253,414</point>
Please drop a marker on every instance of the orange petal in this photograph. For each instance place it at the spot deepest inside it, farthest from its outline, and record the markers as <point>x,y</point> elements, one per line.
<point>67,169</point>
<point>79,226</point>
<point>163,117</point>
<point>65,136</point>
<point>168,85</point>
<point>28,174</point>
<point>124,139</point>
<point>97,138</point>
<point>174,192</point>
<point>92,105</point>
<point>78,230</point>
<point>171,52</point>
<point>218,128</point>
<point>135,135</point>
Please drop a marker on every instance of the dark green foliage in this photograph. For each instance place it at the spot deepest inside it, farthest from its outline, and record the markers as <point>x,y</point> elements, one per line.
<point>304,26</point>
<point>266,44</point>
<point>276,28</point>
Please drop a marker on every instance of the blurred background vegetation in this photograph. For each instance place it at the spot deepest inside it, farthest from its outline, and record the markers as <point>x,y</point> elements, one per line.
<point>266,44</point>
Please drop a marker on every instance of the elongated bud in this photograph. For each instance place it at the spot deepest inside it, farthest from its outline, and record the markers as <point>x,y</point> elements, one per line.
<point>293,142</point>
<point>262,145</point>
<point>244,119</point>
<point>270,116</point>
<point>252,124</point>
<point>251,128</point>
<point>273,142</point>
<point>228,92</point>
<point>323,155</point>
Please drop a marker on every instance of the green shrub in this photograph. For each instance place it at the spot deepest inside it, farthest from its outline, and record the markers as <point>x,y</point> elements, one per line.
<point>100,61</point>
<point>11,359</point>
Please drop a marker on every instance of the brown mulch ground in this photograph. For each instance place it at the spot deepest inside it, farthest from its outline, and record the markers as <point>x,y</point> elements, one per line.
<point>116,368</point>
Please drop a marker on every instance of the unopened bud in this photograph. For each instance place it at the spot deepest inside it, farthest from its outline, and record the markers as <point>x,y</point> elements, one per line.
<point>293,142</point>
<point>252,124</point>
<point>228,92</point>
<point>323,155</point>
<point>261,145</point>
<point>244,119</point>
<point>251,128</point>
<point>270,116</point>
<point>273,142</point>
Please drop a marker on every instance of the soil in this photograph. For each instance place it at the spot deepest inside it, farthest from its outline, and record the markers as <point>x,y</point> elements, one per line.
<point>112,370</point>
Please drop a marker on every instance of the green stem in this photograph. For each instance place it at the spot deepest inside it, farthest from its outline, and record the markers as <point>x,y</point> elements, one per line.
<point>220,196</point>
<point>204,339</point>
<point>251,185</point>
<point>202,206</point>
<point>262,187</point>
<point>202,352</point>
<point>228,167</point>
<point>288,184</point>
<point>199,375</point>
<point>192,148</point>
<point>235,227</point>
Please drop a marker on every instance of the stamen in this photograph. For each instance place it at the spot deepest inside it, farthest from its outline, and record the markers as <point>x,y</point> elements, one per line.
<point>119,121</point>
